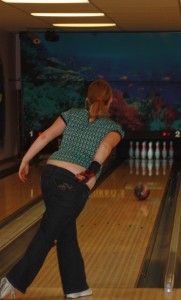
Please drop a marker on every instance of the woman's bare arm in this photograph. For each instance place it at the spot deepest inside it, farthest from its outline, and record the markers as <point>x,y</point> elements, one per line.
<point>48,135</point>
<point>106,146</point>
<point>102,153</point>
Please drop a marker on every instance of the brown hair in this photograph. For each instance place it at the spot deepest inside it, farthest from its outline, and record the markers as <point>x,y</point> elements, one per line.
<point>99,94</point>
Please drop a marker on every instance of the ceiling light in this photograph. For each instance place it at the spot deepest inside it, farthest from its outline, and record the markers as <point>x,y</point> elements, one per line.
<point>67,14</point>
<point>45,1</point>
<point>85,25</point>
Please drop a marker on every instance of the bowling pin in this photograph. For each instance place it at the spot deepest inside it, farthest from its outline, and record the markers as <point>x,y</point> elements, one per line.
<point>170,162</point>
<point>157,166</point>
<point>137,165</point>
<point>157,150</point>
<point>143,150</point>
<point>137,150</point>
<point>131,151</point>
<point>131,166</point>
<point>150,167</point>
<point>164,151</point>
<point>164,166</point>
<point>31,193</point>
<point>171,152</point>
<point>143,166</point>
<point>150,150</point>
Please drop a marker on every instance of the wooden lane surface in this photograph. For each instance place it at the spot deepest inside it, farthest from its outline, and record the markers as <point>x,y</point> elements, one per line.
<point>54,293</point>
<point>14,195</point>
<point>114,232</point>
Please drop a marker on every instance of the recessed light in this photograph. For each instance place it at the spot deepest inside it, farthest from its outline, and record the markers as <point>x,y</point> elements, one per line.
<point>85,25</point>
<point>45,1</point>
<point>67,14</point>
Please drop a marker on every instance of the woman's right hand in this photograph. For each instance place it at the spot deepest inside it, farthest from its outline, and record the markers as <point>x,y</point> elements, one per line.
<point>23,171</point>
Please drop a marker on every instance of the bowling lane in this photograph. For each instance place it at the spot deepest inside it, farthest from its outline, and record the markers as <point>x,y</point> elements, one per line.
<point>119,226</point>
<point>114,232</point>
<point>15,195</point>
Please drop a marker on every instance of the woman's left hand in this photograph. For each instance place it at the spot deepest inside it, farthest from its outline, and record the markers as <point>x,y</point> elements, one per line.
<point>23,171</point>
<point>84,176</point>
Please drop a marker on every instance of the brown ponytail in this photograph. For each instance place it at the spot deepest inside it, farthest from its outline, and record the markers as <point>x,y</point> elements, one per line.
<point>99,94</point>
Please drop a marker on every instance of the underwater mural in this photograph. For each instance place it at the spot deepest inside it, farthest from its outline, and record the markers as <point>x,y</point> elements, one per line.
<point>144,70</point>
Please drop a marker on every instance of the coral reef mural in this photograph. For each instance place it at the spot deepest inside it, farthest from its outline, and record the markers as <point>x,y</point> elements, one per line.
<point>144,70</point>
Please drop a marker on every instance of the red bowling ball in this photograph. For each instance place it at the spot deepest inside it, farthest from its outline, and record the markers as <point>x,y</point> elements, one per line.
<point>141,192</point>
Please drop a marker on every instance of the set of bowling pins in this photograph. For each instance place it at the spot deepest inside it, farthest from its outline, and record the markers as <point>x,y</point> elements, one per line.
<point>162,150</point>
<point>149,167</point>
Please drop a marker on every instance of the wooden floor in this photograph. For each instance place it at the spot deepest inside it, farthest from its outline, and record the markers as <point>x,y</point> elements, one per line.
<point>15,195</point>
<point>104,294</point>
<point>114,232</point>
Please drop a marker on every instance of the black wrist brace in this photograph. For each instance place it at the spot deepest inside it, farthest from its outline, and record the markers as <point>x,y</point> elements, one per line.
<point>93,168</point>
<point>91,171</point>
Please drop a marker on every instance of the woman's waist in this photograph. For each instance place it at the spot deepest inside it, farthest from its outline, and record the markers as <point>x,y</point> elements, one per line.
<point>73,168</point>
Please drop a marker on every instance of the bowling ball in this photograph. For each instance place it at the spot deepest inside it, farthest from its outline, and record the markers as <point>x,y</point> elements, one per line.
<point>141,191</point>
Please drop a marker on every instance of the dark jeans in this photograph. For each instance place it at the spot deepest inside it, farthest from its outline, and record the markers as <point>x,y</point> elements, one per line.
<point>64,199</point>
